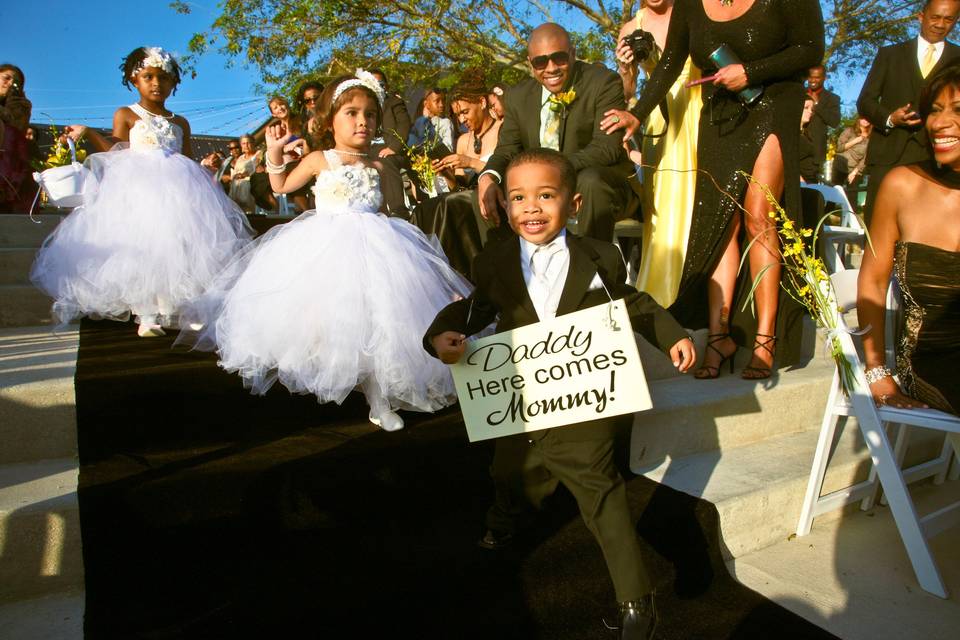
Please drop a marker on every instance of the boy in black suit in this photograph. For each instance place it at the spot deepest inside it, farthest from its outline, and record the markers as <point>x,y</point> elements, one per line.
<point>542,274</point>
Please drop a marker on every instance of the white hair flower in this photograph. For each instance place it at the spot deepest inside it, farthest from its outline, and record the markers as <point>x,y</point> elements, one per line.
<point>362,79</point>
<point>157,58</point>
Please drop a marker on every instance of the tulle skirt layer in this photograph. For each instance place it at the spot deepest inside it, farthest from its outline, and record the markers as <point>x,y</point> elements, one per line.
<point>154,231</point>
<point>331,300</point>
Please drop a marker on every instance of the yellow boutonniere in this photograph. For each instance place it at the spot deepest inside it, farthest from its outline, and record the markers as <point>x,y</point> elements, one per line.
<point>560,101</point>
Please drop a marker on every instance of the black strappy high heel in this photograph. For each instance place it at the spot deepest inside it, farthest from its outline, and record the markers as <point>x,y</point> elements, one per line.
<point>751,372</point>
<point>708,372</point>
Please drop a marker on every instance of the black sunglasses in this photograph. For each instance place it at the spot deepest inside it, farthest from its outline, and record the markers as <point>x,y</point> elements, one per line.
<point>559,58</point>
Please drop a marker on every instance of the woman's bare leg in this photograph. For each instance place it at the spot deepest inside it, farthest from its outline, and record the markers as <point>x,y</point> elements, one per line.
<point>720,291</point>
<point>765,252</point>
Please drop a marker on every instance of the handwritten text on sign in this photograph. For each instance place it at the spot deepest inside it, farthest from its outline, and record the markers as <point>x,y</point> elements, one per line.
<point>576,367</point>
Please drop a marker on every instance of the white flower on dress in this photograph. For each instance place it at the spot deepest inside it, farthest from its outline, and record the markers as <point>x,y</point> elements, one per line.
<point>349,186</point>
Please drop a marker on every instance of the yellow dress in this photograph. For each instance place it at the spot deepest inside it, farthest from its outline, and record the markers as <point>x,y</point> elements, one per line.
<point>669,184</point>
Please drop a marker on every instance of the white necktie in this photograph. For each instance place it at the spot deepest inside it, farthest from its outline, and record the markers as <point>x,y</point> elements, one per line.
<point>928,62</point>
<point>541,287</point>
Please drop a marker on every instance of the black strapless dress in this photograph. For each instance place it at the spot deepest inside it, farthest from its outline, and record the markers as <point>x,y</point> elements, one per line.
<point>777,41</point>
<point>929,347</point>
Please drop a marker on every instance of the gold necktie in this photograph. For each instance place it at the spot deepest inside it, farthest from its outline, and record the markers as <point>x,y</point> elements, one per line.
<point>551,130</point>
<point>928,61</point>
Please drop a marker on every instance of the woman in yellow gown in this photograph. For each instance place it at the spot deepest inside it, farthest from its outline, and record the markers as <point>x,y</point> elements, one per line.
<point>669,160</point>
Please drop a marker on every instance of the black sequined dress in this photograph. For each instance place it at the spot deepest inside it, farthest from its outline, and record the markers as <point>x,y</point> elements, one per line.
<point>777,41</point>
<point>929,345</point>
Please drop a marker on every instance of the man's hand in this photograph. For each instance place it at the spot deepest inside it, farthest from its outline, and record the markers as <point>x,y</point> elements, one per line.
<point>683,354</point>
<point>491,199</point>
<point>449,346</point>
<point>905,117</point>
<point>387,151</point>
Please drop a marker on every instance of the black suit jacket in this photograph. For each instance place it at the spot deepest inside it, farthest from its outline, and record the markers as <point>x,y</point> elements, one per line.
<point>396,122</point>
<point>598,89</point>
<point>501,291</point>
<point>825,115</point>
<point>893,81</point>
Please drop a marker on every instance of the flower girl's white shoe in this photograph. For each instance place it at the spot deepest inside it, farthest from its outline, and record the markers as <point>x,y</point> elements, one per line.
<point>149,328</point>
<point>387,420</point>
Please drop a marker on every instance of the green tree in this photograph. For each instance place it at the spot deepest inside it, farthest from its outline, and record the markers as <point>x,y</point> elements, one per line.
<point>435,41</point>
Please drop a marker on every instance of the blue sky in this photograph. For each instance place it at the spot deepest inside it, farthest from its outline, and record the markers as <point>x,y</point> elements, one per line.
<point>70,51</point>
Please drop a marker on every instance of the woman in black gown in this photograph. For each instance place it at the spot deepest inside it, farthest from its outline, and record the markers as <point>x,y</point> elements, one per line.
<point>915,233</point>
<point>777,41</point>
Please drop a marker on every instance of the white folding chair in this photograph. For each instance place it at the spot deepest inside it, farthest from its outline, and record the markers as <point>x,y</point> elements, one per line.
<point>836,238</point>
<point>914,530</point>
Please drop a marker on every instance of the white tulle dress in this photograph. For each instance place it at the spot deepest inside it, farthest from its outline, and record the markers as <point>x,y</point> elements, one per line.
<point>153,232</point>
<point>336,299</point>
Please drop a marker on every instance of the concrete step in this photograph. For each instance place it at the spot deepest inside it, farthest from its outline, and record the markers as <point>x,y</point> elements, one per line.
<point>15,265</point>
<point>54,617</point>
<point>37,400</point>
<point>40,549</point>
<point>23,305</point>
<point>691,416</point>
<point>19,231</point>
<point>758,488</point>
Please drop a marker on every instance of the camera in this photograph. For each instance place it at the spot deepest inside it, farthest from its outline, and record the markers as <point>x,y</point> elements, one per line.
<point>641,43</point>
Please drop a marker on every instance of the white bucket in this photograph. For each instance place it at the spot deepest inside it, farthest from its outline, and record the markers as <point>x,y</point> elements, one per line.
<point>64,185</point>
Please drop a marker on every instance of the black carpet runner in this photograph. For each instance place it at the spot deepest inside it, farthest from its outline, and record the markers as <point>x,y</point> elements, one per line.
<point>210,513</point>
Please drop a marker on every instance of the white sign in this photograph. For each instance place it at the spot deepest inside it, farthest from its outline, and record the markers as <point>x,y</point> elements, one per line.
<point>573,368</point>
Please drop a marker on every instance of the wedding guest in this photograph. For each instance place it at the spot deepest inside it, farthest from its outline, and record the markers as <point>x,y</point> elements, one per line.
<point>809,167</point>
<point>431,125</point>
<point>389,147</point>
<point>295,149</point>
<point>775,42</point>
<point>826,113</point>
<point>915,235</point>
<point>15,168</point>
<point>244,166</point>
<point>454,218</point>
<point>889,95</point>
<point>223,174</point>
<point>669,155</point>
<point>850,162</point>
<point>561,107</point>
<point>306,103</point>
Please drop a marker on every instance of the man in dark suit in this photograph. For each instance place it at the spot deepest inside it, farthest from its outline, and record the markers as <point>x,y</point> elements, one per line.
<point>560,107</point>
<point>892,89</point>
<point>394,128</point>
<point>826,113</point>
<point>543,274</point>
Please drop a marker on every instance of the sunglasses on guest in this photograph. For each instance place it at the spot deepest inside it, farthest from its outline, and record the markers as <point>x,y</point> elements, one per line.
<point>559,58</point>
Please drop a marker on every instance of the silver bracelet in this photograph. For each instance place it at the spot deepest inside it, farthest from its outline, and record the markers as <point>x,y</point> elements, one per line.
<point>876,374</point>
<point>277,168</point>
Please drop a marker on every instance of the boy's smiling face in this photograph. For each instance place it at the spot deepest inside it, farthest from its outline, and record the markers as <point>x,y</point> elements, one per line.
<point>538,204</point>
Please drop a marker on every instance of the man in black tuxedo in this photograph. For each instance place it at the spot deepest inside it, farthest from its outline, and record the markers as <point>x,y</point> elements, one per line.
<point>560,107</point>
<point>394,127</point>
<point>893,87</point>
<point>826,112</point>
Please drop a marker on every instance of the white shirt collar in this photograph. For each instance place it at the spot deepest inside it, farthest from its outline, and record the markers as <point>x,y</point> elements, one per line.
<point>527,248</point>
<point>922,47</point>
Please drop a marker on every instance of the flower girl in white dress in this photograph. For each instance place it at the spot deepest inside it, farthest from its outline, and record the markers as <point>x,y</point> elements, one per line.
<point>339,297</point>
<point>154,229</point>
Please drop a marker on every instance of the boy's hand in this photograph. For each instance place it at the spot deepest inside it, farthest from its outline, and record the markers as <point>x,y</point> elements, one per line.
<point>683,354</point>
<point>449,346</point>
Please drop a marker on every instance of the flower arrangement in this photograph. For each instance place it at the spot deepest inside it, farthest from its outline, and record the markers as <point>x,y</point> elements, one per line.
<point>59,155</point>
<point>804,277</point>
<point>422,163</point>
<point>559,102</point>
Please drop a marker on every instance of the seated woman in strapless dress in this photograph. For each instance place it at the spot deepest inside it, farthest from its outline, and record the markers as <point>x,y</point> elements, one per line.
<point>916,235</point>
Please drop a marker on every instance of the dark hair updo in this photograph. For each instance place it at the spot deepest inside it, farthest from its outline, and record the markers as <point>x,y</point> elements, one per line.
<point>328,108</point>
<point>134,62</point>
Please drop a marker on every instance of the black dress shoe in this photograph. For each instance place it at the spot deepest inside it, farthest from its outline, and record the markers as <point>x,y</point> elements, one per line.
<point>495,540</point>
<point>638,618</point>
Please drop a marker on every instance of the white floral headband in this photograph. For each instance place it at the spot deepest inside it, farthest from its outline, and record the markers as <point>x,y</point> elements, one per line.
<point>362,79</point>
<point>156,57</point>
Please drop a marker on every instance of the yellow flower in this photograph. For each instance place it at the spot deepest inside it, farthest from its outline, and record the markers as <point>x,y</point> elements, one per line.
<point>560,101</point>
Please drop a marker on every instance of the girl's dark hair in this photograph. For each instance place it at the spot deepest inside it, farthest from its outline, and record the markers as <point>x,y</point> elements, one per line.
<point>17,71</point>
<point>949,76</point>
<point>328,108</point>
<point>134,60</point>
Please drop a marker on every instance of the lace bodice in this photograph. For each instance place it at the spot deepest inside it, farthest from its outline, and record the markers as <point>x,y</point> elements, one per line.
<point>155,132</point>
<point>352,186</point>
